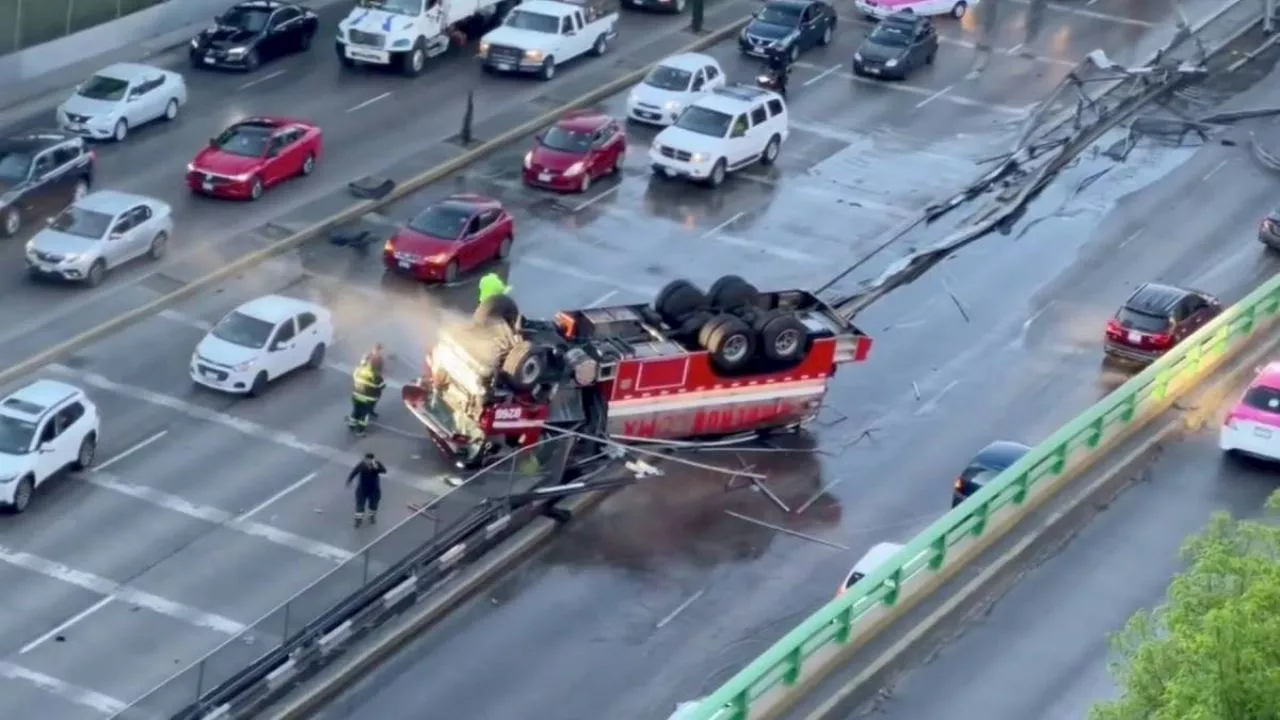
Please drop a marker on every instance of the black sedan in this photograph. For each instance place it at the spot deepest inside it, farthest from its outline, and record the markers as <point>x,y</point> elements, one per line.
<point>900,44</point>
<point>985,467</point>
<point>796,25</point>
<point>254,31</point>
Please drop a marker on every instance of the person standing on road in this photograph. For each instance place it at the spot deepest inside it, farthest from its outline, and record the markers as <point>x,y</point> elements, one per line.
<point>368,386</point>
<point>367,475</point>
<point>375,359</point>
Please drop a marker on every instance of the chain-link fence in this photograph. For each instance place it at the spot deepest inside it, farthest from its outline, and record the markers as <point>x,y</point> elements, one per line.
<point>516,473</point>
<point>24,23</point>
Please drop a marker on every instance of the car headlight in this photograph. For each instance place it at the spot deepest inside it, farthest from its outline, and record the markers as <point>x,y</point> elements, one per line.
<point>438,258</point>
<point>191,167</point>
<point>195,42</point>
<point>673,105</point>
<point>575,169</point>
<point>857,56</point>
<point>389,246</point>
<point>401,43</point>
<point>242,178</point>
<point>534,55</point>
<point>484,49</point>
<point>244,365</point>
<point>237,51</point>
<point>633,97</point>
<point>68,259</point>
<point>699,157</point>
<point>892,62</point>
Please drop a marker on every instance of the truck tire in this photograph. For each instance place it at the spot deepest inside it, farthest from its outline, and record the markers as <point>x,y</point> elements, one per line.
<point>499,309</point>
<point>548,69</point>
<point>678,299</point>
<point>601,47</point>
<point>730,292</point>
<point>525,365</point>
<point>783,338</point>
<point>731,343</point>
<point>414,62</point>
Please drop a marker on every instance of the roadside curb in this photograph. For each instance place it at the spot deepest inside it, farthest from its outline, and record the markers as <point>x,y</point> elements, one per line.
<point>996,578</point>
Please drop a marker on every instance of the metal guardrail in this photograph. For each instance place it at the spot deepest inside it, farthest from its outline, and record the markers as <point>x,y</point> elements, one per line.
<point>776,678</point>
<point>290,643</point>
<point>25,23</point>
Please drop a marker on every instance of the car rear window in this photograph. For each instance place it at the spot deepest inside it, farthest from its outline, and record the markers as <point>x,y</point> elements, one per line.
<point>979,477</point>
<point>1143,322</point>
<point>854,577</point>
<point>1261,397</point>
<point>891,35</point>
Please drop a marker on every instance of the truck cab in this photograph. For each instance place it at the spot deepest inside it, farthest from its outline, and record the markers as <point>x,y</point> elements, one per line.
<point>402,34</point>
<point>539,35</point>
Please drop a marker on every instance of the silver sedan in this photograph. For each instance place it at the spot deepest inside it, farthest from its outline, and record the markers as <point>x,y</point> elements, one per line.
<point>98,233</point>
<point>122,97</point>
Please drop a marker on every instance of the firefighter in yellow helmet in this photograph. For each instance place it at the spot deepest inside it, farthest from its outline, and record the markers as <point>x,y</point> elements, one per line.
<point>376,359</point>
<point>492,286</point>
<point>368,386</point>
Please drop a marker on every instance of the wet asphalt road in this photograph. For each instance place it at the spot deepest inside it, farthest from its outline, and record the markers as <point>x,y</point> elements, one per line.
<point>660,595</point>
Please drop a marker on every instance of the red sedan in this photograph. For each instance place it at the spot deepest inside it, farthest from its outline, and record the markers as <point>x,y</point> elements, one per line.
<point>580,147</point>
<point>450,237</point>
<point>253,155</point>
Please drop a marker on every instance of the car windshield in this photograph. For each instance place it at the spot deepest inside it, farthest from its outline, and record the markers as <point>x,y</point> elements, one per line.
<point>398,7</point>
<point>245,140</point>
<point>669,78</point>
<point>533,21</point>
<point>1142,322</point>
<point>16,435</point>
<point>891,36</point>
<point>1261,397</point>
<point>441,221</point>
<point>82,223</point>
<point>14,165</point>
<point>566,140</point>
<point>101,87</point>
<point>785,15</point>
<point>252,19</point>
<point>704,121</point>
<point>240,329</point>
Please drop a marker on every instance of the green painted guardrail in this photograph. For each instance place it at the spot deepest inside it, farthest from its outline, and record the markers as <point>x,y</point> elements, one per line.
<point>806,655</point>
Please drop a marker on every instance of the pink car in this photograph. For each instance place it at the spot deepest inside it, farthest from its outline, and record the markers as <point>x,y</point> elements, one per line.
<point>1252,427</point>
<point>877,9</point>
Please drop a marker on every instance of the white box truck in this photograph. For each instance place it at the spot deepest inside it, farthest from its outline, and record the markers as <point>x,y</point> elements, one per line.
<point>540,34</point>
<point>402,34</point>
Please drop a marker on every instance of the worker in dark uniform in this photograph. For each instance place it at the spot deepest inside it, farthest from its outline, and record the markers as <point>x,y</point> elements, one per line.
<point>778,57</point>
<point>491,286</point>
<point>368,387</point>
<point>368,478</point>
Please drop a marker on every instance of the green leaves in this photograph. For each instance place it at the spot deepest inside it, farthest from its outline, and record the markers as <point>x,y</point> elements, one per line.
<point>1212,652</point>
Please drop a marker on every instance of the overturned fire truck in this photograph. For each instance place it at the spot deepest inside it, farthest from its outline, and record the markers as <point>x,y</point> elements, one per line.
<point>692,366</point>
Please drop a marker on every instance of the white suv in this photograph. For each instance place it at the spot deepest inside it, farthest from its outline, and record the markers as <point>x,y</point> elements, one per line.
<point>723,131</point>
<point>45,428</point>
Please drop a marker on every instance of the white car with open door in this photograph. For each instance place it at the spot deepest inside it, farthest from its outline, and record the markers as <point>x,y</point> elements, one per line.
<point>671,86</point>
<point>261,341</point>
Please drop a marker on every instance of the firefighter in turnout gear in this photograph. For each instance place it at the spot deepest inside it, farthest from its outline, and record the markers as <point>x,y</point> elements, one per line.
<point>375,359</point>
<point>368,478</point>
<point>491,286</point>
<point>369,385</point>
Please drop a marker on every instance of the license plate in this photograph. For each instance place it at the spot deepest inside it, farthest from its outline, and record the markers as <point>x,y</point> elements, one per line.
<point>1262,432</point>
<point>544,177</point>
<point>209,61</point>
<point>1135,337</point>
<point>362,55</point>
<point>873,70</point>
<point>405,265</point>
<point>208,187</point>
<point>503,66</point>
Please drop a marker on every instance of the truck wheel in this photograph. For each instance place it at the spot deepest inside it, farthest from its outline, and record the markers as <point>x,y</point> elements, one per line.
<point>678,299</point>
<point>413,62</point>
<point>730,342</point>
<point>525,365</point>
<point>730,292</point>
<point>497,309</point>
<point>548,70</point>
<point>783,337</point>
<point>601,47</point>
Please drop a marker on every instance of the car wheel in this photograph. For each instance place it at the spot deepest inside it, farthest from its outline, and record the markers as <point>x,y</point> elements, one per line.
<point>88,449</point>
<point>451,272</point>
<point>601,47</point>
<point>412,63</point>
<point>770,155</point>
<point>618,162</point>
<point>255,190</point>
<point>309,165</point>
<point>794,53</point>
<point>548,70</point>
<point>826,36</point>
<point>928,59</point>
<point>171,109</point>
<point>585,183</point>
<point>717,174</point>
<point>12,221</point>
<point>22,495</point>
<point>317,357</point>
<point>159,245</point>
<point>80,189</point>
<point>959,9</point>
<point>97,271</point>
<point>121,130</point>
<point>251,61</point>
<point>259,384</point>
<point>504,248</point>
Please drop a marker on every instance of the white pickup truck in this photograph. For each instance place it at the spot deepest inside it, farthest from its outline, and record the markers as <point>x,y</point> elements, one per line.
<point>404,33</point>
<point>539,35</point>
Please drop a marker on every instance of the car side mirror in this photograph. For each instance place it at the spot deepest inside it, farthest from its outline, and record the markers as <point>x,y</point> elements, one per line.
<point>213,142</point>
<point>43,448</point>
<point>49,220</point>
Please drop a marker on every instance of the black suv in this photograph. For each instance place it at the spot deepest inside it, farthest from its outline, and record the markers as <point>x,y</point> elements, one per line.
<point>901,43</point>
<point>1154,319</point>
<point>41,172</point>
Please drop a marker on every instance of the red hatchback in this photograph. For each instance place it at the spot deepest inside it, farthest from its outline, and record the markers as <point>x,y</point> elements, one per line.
<point>1154,319</point>
<point>580,147</point>
<point>253,155</point>
<point>450,237</point>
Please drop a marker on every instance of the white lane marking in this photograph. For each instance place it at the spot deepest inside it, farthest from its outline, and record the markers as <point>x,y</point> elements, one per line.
<point>130,450</point>
<point>62,627</point>
<point>932,403</point>
<point>679,609</point>
<point>924,92</point>
<point>369,102</point>
<point>723,225</point>
<point>934,96</point>
<point>603,298</point>
<point>965,43</point>
<point>835,133</point>
<point>433,484</point>
<point>1132,236</point>
<point>588,203</point>
<point>1214,171</point>
<point>113,589</point>
<point>264,78</point>
<point>84,697</point>
<point>821,75</point>
<point>277,497</point>
<point>569,271</point>
<point>219,517</point>
<point>717,234</point>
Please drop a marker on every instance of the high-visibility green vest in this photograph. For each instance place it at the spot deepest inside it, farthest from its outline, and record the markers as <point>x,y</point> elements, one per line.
<point>491,286</point>
<point>368,386</point>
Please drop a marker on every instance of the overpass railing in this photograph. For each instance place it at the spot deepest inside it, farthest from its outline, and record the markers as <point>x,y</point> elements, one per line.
<point>25,23</point>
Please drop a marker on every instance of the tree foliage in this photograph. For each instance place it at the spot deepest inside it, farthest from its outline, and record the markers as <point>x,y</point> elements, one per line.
<point>1212,651</point>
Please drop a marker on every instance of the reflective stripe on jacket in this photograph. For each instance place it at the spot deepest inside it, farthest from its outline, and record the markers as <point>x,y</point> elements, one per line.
<point>368,383</point>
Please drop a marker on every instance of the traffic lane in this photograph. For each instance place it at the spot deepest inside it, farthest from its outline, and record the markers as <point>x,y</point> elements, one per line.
<point>1122,561</point>
<point>25,697</point>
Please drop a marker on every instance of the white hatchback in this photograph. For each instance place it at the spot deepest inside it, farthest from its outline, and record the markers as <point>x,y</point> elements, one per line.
<point>671,86</point>
<point>45,428</point>
<point>261,341</point>
<point>726,130</point>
